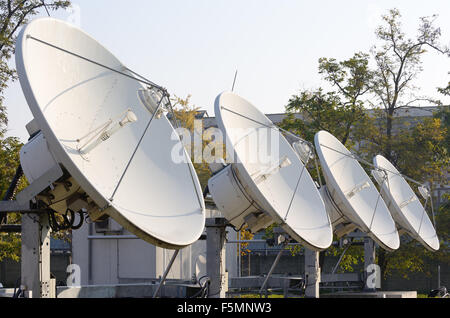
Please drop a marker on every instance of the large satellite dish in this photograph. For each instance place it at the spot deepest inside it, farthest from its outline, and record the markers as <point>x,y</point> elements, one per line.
<point>404,204</point>
<point>353,194</point>
<point>258,191</point>
<point>95,120</point>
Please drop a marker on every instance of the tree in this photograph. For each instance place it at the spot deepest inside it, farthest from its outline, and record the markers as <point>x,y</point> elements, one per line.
<point>13,14</point>
<point>336,111</point>
<point>419,149</point>
<point>185,114</point>
<point>319,111</point>
<point>398,63</point>
<point>444,115</point>
<point>352,79</point>
<point>9,157</point>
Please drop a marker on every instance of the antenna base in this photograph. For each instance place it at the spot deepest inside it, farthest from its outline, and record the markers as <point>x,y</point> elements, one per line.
<point>234,203</point>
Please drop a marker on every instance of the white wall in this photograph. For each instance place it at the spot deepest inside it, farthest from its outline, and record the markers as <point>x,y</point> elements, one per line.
<point>122,261</point>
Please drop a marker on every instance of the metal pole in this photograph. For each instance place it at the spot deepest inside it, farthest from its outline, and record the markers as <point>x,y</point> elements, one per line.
<point>277,259</point>
<point>240,251</point>
<point>234,81</point>
<point>340,259</point>
<point>35,261</point>
<point>163,279</point>
<point>439,276</point>
<point>215,257</point>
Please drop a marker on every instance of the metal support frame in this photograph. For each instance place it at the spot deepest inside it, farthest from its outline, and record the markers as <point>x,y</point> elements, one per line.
<point>215,256</point>
<point>10,228</point>
<point>275,263</point>
<point>166,272</point>
<point>35,253</point>
<point>38,185</point>
<point>35,233</point>
<point>35,262</point>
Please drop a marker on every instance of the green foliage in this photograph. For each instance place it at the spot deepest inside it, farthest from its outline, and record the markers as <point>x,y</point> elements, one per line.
<point>443,232</point>
<point>10,246</point>
<point>398,63</point>
<point>9,160</point>
<point>409,258</point>
<point>335,111</point>
<point>321,111</point>
<point>444,115</point>
<point>445,90</point>
<point>399,59</point>
<point>412,257</point>
<point>419,149</point>
<point>185,114</point>
<point>13,14</point>
<point>352,257</point>
<point>351,77</point>
<point>443,219</point>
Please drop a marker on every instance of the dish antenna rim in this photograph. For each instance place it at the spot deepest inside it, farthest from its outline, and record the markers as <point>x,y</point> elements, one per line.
<point>390,171</point>
<point>248,182</point>
<point>57,149</point>
<point>332,184</point>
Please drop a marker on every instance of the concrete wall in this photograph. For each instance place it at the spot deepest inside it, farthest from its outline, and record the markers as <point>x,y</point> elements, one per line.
<point>130,261</point>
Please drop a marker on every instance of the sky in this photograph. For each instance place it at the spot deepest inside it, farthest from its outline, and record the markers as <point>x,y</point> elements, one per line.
<point>195,47</point>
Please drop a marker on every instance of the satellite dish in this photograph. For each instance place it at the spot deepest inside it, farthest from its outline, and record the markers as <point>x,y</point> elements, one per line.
<point>352,197</point>
<point>404,204</point>
<point>259,191</point>
<point>93,119</point>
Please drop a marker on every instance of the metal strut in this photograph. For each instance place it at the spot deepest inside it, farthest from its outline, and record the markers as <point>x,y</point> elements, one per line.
<point>137,147</point>
<point>295,191</point>
<point>275,263</point>
<point>163,278</point>
<point>149,83</point>
<point>340,258</point>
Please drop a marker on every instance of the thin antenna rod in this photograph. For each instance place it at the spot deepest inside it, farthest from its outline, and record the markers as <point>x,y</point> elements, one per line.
<point>163,279</point>
<point>234,81</point>
<point>151,84</point>
<point>46,9</point>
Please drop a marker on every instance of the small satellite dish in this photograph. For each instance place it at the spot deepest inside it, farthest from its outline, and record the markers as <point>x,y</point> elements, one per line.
<point>97,124</point>
<point>351,194</point>
<point>405,206</point>
<point>259,191</point>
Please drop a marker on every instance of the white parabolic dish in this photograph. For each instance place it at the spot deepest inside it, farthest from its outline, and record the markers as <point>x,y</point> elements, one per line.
<point>354,192</point>
<point>405,206</point>
<point>158,200</point>
<point>288,194</point>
